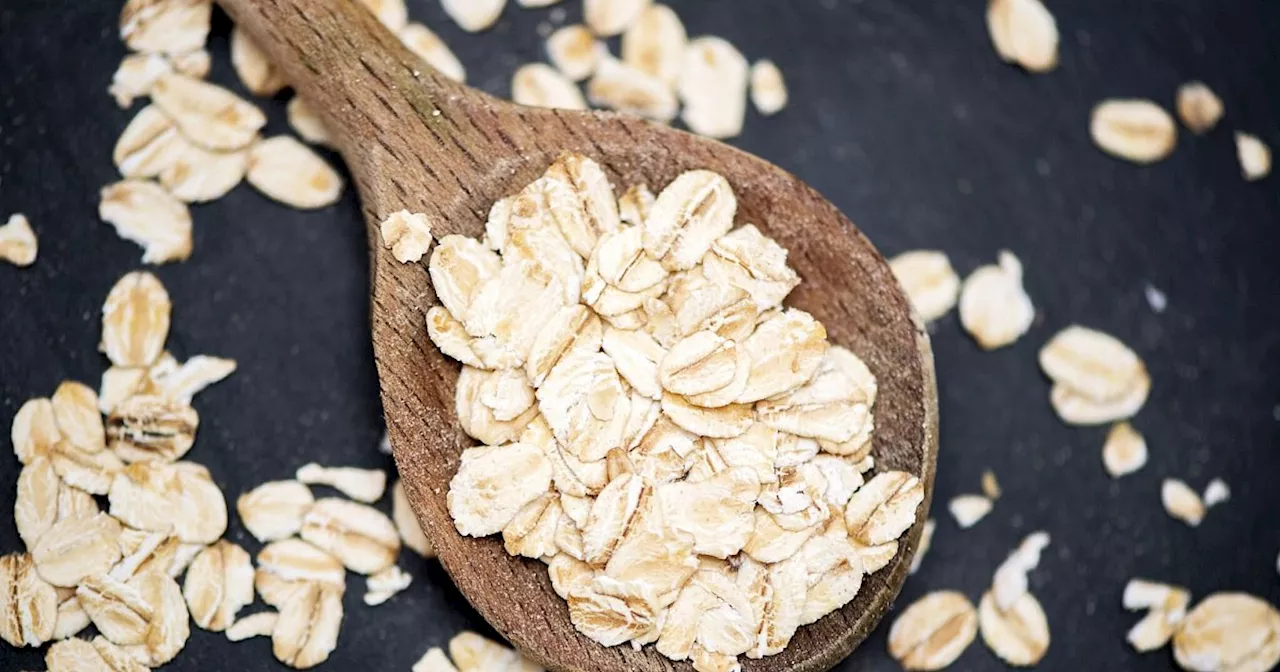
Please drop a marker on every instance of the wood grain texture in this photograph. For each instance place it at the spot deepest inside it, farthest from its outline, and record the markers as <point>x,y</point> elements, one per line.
<point>414,140</point>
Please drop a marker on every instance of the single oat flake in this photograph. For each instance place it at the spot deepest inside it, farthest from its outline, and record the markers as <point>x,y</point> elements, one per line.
<point>933,632</point>
<point>1254,156</point>
<point>290,172</point>
<point>611,17</point>
<point>1133,129</point>
<point>654,43</point>
<point>1018,635</point>
<point>1229,631</point>
<point>474,16</point>
<point>146,214</point>
<point>574,51</point>
<point>540,85</point>
<point>274,510</point>
<point>362,537</point>
<point>930,282</point>
<point>430,48</point>
<point>1097,378</point>
<point>768,90</point>
<point>261,624</point>
<point>135,75</point>
<point>362,485</point>
<point>307,123</point>
<point>622,87</point>
<point>28,605</point>
<point>969,509</point>
<point>713,86</point>
<point>1181,502</point>
<point>18,241</point>
<point>407,523</point>
<point>135,320</point>
<point>218,584</point>
<point>257,73</point>
<point>171,27</point>
<point>307,627</point>
<point>994,307</point>
<point>1125,450</point>
<point>391,13</point>
<point>1024,33</point>
<point>207,114</point>
<point>1198,107</point>
<point>1216,493</point>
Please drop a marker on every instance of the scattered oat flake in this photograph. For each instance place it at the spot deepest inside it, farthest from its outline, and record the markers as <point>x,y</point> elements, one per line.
<point>430,48</point>
<point>75,407</point>
<point>171,27</point>
<point>198,175</point>
<point>1198,107</point>
<point>1024,32</point>
<point>407,523</point>
<point>994,307</point>
<point>990,486</point>
<point>146,214</point>
<point>28,605</point>
<point>195,374</point>
<point>473,652</point>
<point>929,280</point>
<point>654,43</point>
<point>147,427</point>
<point>252,66</point>
<point>218,584</point>
<point>362,485</point>
<point>1125,450</point>
<point>1133,129</point>
<point>1097,378</point>
<point>135,320</point>
<point>181,497</point>
<point>193,63</point>
<point>619,86</point>
<point>307,123</point>
<point>261,624</point>
<point>969,509</point>
<point>713,86</point>
<point>926,540</point>
<point>362,537</point>
<point>574,51</point>
<point>77,547</point>
<point>933,632</point>
<point>1181,502</point>
<point>1018,635</point>
<point>134,77</point>
<point>1254,155</point>
<point>473,16</point>
<point>291,173</point>
<point>391,13</point>
<point>207,114</point>
<point>1228,631</point>
<point>274,510</point>
<point>1216,492</point>
<point>768,90</point>
<point>34,431</point>
<point>385,584</point>
<point>435,659</point>
<point>611,17</point>
<point>540,85</point>
<point>306,629</point>
<point>18,241</point>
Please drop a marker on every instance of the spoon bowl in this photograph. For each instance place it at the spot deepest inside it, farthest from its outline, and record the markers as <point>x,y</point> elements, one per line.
<point>415,140</point>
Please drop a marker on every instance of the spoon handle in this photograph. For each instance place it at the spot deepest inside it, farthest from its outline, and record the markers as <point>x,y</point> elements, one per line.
<point>401,125</point>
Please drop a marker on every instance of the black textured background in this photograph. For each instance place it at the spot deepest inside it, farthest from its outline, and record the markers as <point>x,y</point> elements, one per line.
<point>903,116</point>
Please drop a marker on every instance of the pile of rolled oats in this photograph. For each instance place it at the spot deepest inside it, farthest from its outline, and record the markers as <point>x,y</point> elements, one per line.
<point>685,453</point>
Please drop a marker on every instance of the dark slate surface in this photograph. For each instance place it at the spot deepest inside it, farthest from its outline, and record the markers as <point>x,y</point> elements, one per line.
<point>902,115</point>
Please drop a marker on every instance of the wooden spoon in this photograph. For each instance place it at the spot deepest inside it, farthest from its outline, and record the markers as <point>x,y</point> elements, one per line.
<point>418,141</point>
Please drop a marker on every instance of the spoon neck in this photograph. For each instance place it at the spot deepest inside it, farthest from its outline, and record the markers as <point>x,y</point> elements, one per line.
<point>382,104</point>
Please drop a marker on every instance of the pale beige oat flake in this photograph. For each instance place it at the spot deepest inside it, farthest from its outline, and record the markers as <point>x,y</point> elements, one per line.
<point>290,172</point>
<point>994,307</point>
<point>933,632</point>
<point>1125,451</point>
<point>285,565</point>
<point>274,510</point>
<point>261,624</point>
<point>135,320</point>
<point>134,77</point>
<point>1024,32</point>
<point>407,235</point>
<point>35,508</point>
<point>574,51</point>
<point>306,630</point>
<point>252,67</point>
<point>768,90</point>
<point>1254,156</point>
<point>362,485</point>
<point>930,282</point>
<point>430,48</point>
<point>75,407</point>
<point>1181,502</point>
<point>540,85</point>
<point>1229,631</point>
<point>619,86</point>
<point>884,508</point>
<point>34,431</point>
<point>474,16</point>
<point>713,86</point>
<point>219,583</point>
<point>1198,107</point>
<point>1216,492</point>
<point>926,540</point>
<point>146,427</point>
<point>434,660</point>
<point>146,214</point>
<point>385,584</point>
<point>207,114</point>
<point>307,123</point>
<point>171,27</point>
<point>363,538</point>
<point>1133,129</point>
<point>148,145</point>
<point>28,605</point>
<point>611,17</point>
<point>199,175</point>
<point>391,13</point>
<point>181,497</point>
<point>654,43</point>
<point>473,652</point>
<point>1019,635</point>
<point>76,547</point>
<point>969,509</point>
<point>18,241</point>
